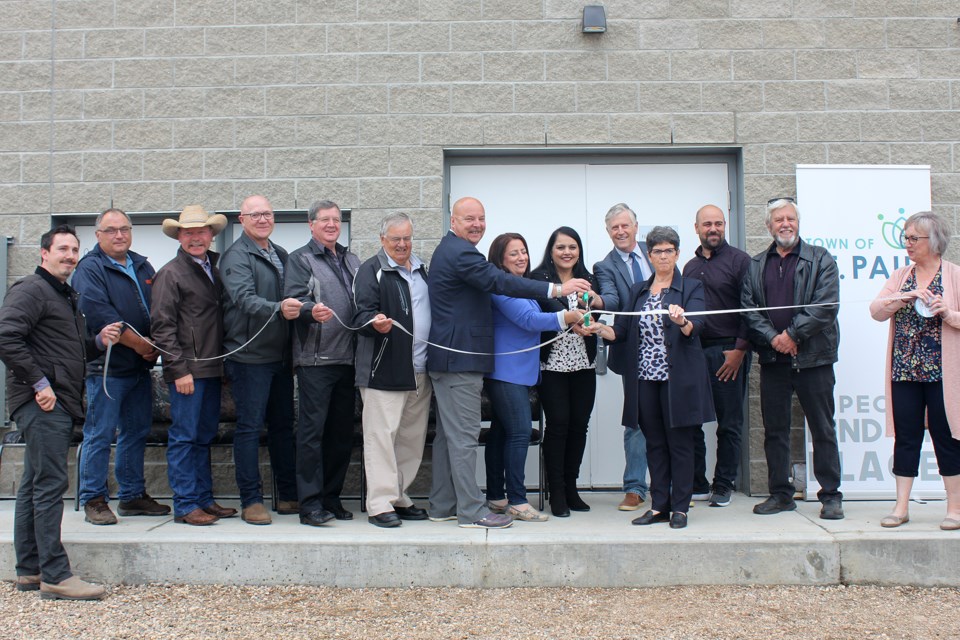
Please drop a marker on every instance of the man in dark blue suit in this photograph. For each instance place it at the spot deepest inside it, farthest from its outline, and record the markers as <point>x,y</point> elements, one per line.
<point>461,281</point>
<point>626,264</point>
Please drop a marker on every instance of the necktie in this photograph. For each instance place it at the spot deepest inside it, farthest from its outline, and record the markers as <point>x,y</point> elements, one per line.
<point>635,265</point>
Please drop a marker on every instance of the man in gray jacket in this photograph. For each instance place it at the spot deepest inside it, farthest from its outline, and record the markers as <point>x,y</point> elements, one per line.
<point>261,374</point>
<point>320,275</point>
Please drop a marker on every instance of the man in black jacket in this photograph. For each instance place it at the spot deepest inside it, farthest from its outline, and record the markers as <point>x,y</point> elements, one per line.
<point>261,374</point>
<point>797,348</point>
<point>392,371</point>
<point>44,343</point>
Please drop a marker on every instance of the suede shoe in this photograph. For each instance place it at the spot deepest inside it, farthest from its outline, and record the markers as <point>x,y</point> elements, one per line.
<point>773,505</point>
<point>142,506</point>
<point>221,512</point>
<point>97,511</point>
<point>28,583</point>
<point>386,520</point>
<point>288,507</point>
<point>630,502</point>
<point>832,510</point>
<point>316,518</point>
<point>256,513</point>
<point>198,518</point>
<point>73,588</point>
<point>651,518</point>
<point>413,512</point>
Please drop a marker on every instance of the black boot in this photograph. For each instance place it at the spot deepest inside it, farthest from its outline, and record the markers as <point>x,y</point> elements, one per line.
<point>573,497</point>
<point>557,491</point>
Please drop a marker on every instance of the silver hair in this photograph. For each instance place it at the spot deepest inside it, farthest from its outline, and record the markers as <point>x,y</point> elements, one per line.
<point>616,210</point>
<point>659,235</point>
<point>112,210</point>
<point>773,205</point>
<point>392,220</point>
<point>320,205</point>
<point>934,226</point>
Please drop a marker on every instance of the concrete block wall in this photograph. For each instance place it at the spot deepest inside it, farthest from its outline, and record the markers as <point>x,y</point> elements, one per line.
<point>154,104</point>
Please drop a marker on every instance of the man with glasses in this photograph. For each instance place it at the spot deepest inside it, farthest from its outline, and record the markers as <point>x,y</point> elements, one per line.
<point>797,348</point>
<point>114,284</point>
<point>261,374</point>
<point>320,275</point>
<point>625,265</point>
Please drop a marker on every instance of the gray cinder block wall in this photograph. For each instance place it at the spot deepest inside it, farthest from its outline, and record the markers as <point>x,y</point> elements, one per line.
<point>153,104</point>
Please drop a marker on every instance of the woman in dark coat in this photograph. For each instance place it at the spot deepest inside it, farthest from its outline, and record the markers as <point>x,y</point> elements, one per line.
<point>672,397</point>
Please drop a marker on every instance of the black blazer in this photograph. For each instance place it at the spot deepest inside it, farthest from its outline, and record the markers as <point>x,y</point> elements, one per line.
<point>560,304</point>
<point>690,399</point>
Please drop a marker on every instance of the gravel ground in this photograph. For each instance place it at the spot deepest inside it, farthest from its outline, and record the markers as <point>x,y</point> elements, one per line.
<point>186,612</point>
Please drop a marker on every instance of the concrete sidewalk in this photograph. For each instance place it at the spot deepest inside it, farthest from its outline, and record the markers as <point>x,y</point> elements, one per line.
<point>596,549</point>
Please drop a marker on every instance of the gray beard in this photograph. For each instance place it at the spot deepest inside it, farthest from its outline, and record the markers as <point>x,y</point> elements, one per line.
<point>786,244</point>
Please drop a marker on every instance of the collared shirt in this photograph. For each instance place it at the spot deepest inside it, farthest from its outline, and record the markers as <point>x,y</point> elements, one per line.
<point>645,268</point>
<point>778,276</point>
<point>129,269</point>
<point>270,253</point>
<point>722,277</point>
<point>421,309</point>
<point>205,263</point>
<point>335,260</point>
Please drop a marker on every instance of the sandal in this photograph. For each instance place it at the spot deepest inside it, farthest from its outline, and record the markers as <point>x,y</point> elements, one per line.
<point>527,515</point>
<point>892,521</point>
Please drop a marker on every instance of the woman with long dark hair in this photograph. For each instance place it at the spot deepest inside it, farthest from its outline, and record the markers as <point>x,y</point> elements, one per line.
<point>568,383</point>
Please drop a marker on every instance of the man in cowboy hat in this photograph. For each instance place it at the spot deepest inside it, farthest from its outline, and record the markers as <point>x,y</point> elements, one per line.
<point>187,326</point>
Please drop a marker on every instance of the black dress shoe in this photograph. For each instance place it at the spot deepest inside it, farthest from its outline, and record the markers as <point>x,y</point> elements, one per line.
<point>386,520</point>
<point>413,512</point>
<point>652,518</point>
<point>678,520</point>
<point>340,513</point>
<point>316,518</point>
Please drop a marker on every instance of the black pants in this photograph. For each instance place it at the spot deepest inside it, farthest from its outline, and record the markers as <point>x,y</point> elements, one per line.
<point>814,389</point>
<point>324,434</point>
<point>669,450</point>
<point>912,403</point>
<point>567,400</point>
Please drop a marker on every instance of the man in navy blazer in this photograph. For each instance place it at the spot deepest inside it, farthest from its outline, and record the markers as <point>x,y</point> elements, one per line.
<point>461,281</point>
<point>626,264</point>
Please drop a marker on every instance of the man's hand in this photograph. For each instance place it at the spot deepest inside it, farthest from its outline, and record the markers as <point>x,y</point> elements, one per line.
<point>321,313</point>
<point>290,308</point>
<point>574,285</point>
<point>731,365</point>
<point>110,334</point>
<point>382,323</point>
<point>784,344</point>
<point>184,385</point>
<point>46,398</point>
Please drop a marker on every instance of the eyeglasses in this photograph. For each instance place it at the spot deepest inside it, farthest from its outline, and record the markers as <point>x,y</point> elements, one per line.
<point>112,231</point>
<point>778,198</point>
<point>260,215</point>
<point>662,253</point>
<point>399,239</point>
<point>905,239</point>
<point>327,220</point>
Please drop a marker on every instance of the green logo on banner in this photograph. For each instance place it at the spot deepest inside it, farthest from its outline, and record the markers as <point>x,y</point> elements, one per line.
<point>892,232</point>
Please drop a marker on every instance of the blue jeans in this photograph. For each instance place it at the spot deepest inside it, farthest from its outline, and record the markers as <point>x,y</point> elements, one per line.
<point>263,393</point>
<point>128,416</point>
<point>508,440</point>
<point>195,419</point>
<point>635,471</point>
<point>729,399</point>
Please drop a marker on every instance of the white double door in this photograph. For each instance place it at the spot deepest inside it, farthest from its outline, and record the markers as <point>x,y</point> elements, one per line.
<point>534,199</point>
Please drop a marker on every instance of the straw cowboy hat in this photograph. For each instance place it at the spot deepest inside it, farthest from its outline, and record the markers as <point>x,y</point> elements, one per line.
<point>194,216</point>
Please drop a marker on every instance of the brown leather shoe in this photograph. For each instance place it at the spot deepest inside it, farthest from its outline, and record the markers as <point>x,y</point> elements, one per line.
<point>73,588</point>
<point>142,506</point>
<point>28,583</point>
<point>630,502</point>
<point>96,511</point>
<point>255,514</point>
<point>197,517</point>
<point>221,512</point>
<point>288,507</point>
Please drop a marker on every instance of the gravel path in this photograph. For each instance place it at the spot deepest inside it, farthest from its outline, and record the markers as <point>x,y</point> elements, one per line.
<point>186,612</point>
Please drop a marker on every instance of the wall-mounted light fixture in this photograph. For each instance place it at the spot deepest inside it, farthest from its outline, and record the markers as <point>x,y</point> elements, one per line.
<point>594,19</point>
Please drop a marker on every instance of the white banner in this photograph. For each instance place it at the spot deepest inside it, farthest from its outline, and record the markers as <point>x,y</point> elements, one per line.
<point>858,212</point>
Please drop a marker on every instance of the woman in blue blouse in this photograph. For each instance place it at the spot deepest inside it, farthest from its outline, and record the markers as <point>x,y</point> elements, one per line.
<point>517,324</point>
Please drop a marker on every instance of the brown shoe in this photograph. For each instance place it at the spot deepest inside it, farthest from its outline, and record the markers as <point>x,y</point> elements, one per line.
<point>255,514</point>
<point>288,507</point>
<point>73,588</point>
<point>221,512</point>
<point>28,583</point>
<point>197,517</point>
<point>142,506</point>
<point>96,511</point>
<point>630,502</point>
